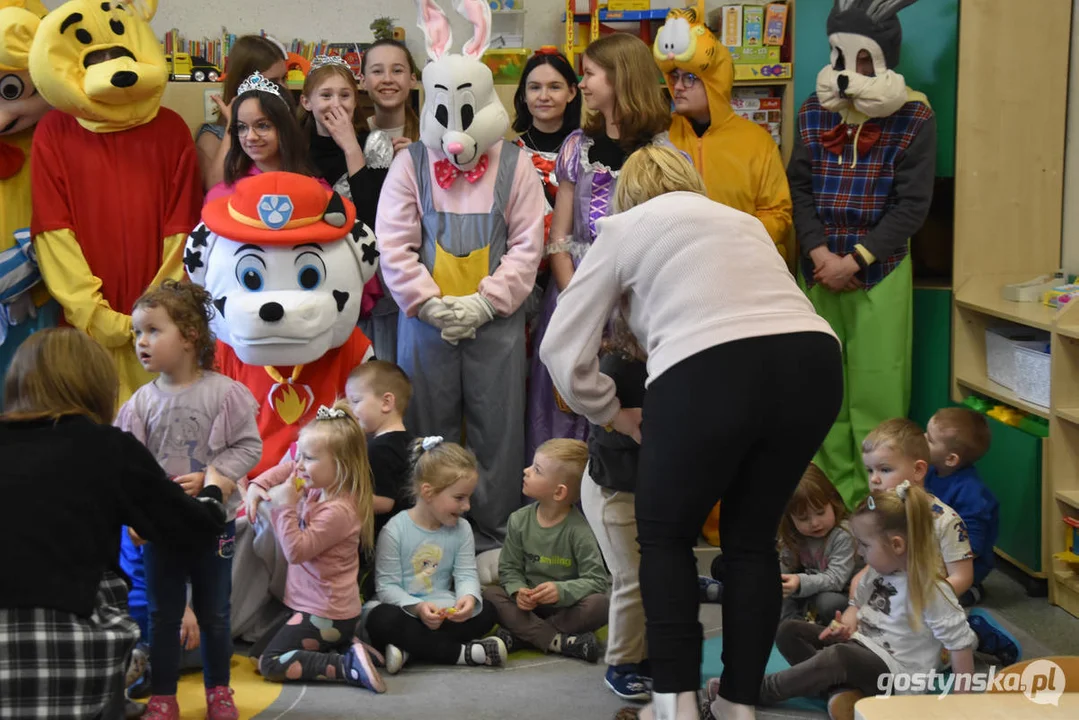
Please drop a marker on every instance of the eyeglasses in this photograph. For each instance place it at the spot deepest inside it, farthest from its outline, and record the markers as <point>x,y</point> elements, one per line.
<point>688,79</point>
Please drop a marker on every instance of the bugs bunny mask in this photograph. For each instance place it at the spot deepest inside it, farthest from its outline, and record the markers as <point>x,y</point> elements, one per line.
<point>462,117</point>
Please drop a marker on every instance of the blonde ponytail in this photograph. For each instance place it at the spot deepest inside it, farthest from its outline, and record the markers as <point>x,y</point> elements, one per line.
<point>906,511</point>
<point>923,553</point>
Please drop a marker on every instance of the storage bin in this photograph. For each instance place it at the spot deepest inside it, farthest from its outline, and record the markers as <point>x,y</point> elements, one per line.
<point>507,64</point>
<point>1000,345</point>
<point>1032,373</point>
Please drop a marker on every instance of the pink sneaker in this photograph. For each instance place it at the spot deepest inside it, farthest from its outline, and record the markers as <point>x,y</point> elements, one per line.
<point>162,707</point>
<point>219,705</point>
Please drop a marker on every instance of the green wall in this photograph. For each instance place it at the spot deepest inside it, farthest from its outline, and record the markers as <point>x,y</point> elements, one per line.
<point>928,60</point>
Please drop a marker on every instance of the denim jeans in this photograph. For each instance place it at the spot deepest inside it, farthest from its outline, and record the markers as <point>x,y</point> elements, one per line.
<point>210,573</point>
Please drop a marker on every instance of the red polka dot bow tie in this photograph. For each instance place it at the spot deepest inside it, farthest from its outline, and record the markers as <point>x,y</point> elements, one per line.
<point>446,172</point>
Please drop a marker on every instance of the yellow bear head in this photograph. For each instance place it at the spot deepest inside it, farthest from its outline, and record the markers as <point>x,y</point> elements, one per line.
<point>99,61</point>
<point>21,106</point>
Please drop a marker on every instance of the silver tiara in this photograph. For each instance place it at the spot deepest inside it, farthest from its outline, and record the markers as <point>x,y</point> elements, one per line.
<point>325,413</point>
<point>324,60</point>
<point>257,82</point>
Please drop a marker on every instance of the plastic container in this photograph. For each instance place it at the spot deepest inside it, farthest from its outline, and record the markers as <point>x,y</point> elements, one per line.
<point>507,64</point>
<point>1032,374</point>
<point>1000,348</point>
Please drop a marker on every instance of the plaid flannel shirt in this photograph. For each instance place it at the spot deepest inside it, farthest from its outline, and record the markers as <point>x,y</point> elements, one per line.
<point>852,197</point>
<point>59,666</point>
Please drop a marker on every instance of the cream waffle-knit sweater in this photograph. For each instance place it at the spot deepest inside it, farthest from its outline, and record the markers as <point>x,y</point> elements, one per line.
<point>696,274</point>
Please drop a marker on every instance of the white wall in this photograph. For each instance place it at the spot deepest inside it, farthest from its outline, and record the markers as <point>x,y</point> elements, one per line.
<point>346,20</point>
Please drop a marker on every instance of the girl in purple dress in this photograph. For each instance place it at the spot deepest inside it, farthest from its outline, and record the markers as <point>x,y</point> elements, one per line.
<point>627,112</point>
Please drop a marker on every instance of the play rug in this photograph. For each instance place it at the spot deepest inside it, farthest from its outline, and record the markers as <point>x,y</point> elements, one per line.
<point>252,693</point>
<point>712,666</point>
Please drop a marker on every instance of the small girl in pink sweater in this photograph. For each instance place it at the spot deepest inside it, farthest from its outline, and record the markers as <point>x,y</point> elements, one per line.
<point>322,510</point>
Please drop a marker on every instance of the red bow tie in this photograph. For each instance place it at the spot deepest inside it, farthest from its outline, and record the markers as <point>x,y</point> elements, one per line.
<point>11,160</point>
<point>446,172</point>
<point>836,139</point>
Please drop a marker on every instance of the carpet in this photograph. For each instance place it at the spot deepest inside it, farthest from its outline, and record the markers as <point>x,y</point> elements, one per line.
<point>712,666</point>
<point>252,693</point>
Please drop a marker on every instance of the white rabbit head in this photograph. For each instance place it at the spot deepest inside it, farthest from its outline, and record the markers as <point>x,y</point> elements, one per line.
<point>462,117</point>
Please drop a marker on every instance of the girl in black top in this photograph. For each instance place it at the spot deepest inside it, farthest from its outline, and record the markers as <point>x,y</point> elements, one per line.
<point>71,482</point>
<point>354,161</point>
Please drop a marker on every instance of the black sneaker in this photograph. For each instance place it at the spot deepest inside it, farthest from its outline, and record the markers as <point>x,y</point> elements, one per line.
<point>494,651</point>
<point>583,646</point>
<point>507,639</point>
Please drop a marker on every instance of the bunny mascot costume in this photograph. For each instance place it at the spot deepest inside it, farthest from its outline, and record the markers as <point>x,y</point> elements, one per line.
<point>460,232</point>
<point>25,305</point>
<point>861,176</point>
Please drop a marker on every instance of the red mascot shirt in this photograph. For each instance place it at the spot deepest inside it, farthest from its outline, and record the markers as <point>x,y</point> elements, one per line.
<point>286,407</point>
<point>121,193</point>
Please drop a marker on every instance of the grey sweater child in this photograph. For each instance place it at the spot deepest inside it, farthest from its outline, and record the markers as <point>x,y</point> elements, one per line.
<point>824,567</point>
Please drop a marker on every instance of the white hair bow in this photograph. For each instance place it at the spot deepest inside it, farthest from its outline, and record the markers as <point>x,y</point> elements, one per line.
<point>432,441</point>
<point>902,489</point>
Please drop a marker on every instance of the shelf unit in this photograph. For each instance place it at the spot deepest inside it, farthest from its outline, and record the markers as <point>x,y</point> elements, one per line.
<point>1008,215</point>
<point>1064,458</point>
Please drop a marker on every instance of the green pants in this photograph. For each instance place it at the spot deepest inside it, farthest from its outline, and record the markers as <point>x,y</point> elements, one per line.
<point>875,329</point>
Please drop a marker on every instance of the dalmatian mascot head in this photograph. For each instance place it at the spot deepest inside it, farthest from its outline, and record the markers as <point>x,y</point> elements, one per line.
<point>286,262</point>
<point>462,116</point>
<point>865,36</point>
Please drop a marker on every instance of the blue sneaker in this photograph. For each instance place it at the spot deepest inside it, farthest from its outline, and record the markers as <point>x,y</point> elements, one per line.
<point>624,682</point>
<point>711,590</point>
<point>993,639</point>
<point>359,669</point>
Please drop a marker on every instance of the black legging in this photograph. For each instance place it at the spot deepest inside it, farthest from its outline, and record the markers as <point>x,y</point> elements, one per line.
<point>389,624</point>
<point>738,422</point>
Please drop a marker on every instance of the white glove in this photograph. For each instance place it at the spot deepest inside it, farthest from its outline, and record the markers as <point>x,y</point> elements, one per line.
<point>455,333</point>
<point>435,312</point>
<point>21,309</point>
<point>472,311</point>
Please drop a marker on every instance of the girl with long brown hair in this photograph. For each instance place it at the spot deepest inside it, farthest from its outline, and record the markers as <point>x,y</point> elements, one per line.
<point>621,89</point>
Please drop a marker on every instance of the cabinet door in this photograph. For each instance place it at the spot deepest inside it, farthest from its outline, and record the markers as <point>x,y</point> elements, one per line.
<point>1012,469</point>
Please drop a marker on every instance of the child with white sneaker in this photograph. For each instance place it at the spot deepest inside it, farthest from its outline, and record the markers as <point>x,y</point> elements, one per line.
<point>553,586</point>
<point>429,602</point>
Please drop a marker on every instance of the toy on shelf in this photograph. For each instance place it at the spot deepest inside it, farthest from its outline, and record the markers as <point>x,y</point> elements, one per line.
<point>1060,295</point>
<point>1030,424</point>
<point>775,24</point>
<point>185,67</point>
<point>1071,541</point>
<point>1006,415</point>
<point>507,64</point>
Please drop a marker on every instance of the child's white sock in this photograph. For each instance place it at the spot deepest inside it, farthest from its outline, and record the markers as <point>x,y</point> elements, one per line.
<point>724,709</point>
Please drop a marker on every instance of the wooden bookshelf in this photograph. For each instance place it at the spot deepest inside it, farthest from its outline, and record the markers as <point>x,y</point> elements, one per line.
<point>1008,215</point>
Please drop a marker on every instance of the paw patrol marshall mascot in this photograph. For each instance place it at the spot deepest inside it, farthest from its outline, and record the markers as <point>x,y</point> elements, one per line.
<point>23,297</point>
<point>861,176</point>
<point>115,177</point>
<point>460,230</point>
<point>285,261</point>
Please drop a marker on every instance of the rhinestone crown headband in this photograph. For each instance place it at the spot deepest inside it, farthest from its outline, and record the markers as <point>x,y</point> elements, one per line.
<point>323,60</point>
<point>257,82</point>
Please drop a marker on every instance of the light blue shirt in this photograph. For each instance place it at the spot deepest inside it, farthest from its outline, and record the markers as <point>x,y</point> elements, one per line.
<point>414,565</point>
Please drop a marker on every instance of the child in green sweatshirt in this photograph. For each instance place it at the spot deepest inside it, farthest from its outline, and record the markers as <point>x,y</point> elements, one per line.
<point>553,591</point>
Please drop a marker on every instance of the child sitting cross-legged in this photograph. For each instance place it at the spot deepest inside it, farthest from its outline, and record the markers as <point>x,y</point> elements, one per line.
<point>429,604</point>
<point>902,614</point>
<point>553,591</point>
<point>958,438</point>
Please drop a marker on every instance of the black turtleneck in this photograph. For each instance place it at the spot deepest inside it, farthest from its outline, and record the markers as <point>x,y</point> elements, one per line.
<point>365,185</point>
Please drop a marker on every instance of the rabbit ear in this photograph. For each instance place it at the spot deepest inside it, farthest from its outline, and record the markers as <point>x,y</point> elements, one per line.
<point>478,13</point>
<point>436,29</point>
